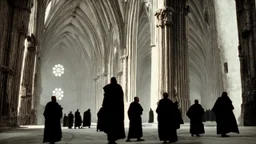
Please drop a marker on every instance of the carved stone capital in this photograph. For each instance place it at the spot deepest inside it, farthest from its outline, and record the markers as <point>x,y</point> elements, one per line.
<point>164,16</point>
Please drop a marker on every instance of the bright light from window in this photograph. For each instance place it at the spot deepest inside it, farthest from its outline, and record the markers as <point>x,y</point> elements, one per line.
<point>115,50</point>
<point>58,70</point>
<point>58,92</point>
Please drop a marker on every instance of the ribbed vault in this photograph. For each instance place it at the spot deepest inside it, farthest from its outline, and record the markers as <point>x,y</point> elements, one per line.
<point>204,57</point>
<point>144,61</point>
<point>82,36</point>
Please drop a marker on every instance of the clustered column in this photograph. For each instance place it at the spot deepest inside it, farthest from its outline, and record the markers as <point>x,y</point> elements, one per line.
<point>246,16</point>
<point>26,113</point>
<point>15,31</point>
<point>180,57</point>
<point>173,51</point>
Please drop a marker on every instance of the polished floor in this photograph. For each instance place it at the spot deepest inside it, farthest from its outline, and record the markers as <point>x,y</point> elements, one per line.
<point>34,135</point>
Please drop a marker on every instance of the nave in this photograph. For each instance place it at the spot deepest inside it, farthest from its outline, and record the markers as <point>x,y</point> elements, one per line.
<point>34,135</point>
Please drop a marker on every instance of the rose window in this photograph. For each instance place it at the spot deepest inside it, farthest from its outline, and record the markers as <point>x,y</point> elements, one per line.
<point>58,70</point>
<point>58,92</point>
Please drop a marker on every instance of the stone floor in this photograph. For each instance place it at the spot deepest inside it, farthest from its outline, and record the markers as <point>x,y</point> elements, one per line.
<point>34,135</point>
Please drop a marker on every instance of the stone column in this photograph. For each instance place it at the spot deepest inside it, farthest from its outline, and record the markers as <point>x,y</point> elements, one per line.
<point>26,108</point>
<point>173,51</point>
<point>246,17</point>
<point>180,57</point>
<point>165,65</point>
<point>37,86</point>
<point>124,83</point>
<point>18,18</point>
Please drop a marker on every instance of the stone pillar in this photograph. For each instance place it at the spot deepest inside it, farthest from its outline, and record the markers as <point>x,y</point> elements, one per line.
<point>37,86</point>
<point>18,18</point>
<point>124,60</point>
<point>246,17</point>
<point>173,51</point>
<point>180,51</point>
<point>26,108</point>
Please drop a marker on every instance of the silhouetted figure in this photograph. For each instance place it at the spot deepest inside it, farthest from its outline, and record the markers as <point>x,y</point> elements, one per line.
<point>180,121</point>
<point>78,119</point>
<point>100,122</point>
<point>65,120</point>
<point>195,114</point>
<point>134,113</point>
<point>151,116</point>
<point>113,106</point>
<point>70,120</point>
<point>52,129</point>
<point>225,118</point>
<point>168,119</point>
<point>87,118</point>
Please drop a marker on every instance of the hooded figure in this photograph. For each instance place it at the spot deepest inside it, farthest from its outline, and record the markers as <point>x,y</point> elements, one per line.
<point>52,129</point>
<point>113,107</point>
<point>225,118</point>
<point>195,114</point>
<point>168,119</point>
<point>78,119</point>
<point>134,113</point>
<point>87,118</point>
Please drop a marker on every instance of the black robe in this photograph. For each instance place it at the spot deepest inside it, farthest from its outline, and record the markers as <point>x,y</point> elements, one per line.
<point>65,121</point>
<point>168,120</point>
<point>70,120</point>
<point>113,106</point>
<point>78,119</point>
<point>52,129</point>
<point>225,118</point>
<point>87,119</point>
<point>151,116</point>
<point>195,113</point>
<point>100,122</point>
<point>134,113</point>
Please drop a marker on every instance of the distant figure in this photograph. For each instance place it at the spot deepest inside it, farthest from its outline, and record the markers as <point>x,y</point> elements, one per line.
<point>134,113</point>
<point>87,119</point>
<point>151,116</point>
<point>70,120</point>
<point>168,119</point>
<point>113,106</point>
<point>225,118</point>
<point>78,119</point>
<point>195,114</point>
<point>52,129</point>
<point>65,120</point>
<point>100,122</point>
<point>180,121</point>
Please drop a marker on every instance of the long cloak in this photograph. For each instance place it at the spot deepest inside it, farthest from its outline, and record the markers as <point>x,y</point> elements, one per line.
<point>52,129</point>
<point>168,120</point>
<point>151,116</point>
<point>78,119</point>
<point>225,118</point>
<point>70,120</point>
<point>195,114</point>
<point>65,121</point>
<point>113,105</point>
<point>100,121</point>
<point>87,119</point>
<point>134,113</point>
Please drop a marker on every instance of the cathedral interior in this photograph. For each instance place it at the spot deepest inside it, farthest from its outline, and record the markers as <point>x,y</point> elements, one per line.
<point>192,49</point>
